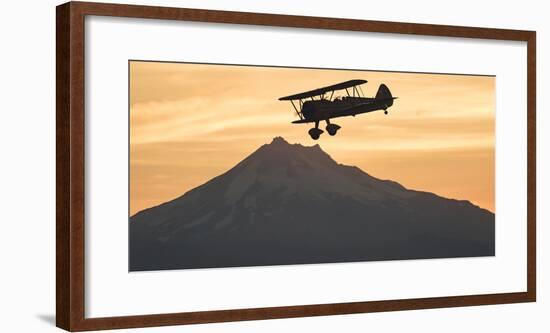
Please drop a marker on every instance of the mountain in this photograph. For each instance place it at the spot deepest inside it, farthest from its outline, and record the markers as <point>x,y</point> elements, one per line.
<point>290,204</point>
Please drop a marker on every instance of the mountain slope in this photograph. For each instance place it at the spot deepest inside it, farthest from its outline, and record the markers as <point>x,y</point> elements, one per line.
<point>290,204</point>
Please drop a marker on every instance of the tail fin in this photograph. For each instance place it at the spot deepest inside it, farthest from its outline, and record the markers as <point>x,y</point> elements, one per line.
<point>384,92</point>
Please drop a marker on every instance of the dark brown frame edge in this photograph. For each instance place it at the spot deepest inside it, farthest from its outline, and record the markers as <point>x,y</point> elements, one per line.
<point>70,165</point>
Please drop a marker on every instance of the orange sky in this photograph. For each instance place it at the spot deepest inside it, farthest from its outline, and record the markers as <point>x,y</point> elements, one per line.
<point>189,123</point>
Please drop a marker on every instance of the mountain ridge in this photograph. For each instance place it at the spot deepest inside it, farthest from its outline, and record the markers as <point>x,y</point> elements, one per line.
<point>281,140</point>
<point>299,196</point>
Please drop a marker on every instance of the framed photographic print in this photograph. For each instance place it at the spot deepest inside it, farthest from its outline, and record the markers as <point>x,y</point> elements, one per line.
<point>222,166</point>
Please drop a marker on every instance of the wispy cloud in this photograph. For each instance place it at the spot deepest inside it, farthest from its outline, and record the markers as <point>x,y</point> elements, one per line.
<point>189,123</point>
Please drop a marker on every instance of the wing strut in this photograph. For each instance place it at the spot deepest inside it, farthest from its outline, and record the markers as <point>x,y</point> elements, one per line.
<point>362,93</point>
<point>296,109</point>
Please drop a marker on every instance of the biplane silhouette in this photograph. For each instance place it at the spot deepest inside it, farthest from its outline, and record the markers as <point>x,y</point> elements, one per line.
<point>320,108</point>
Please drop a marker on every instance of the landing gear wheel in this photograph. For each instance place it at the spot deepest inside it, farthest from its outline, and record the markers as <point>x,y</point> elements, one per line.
<point>315,133</point>
<point>332,129</point>
<point>385,111</point>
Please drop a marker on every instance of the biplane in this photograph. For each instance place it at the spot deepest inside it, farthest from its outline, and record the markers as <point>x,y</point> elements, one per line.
<point>315,105</point>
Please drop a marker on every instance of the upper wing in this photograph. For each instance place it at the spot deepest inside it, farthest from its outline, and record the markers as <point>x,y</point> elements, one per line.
<point>321,91</point>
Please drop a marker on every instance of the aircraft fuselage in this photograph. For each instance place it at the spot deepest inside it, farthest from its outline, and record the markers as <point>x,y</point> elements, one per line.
<point>321,110</point>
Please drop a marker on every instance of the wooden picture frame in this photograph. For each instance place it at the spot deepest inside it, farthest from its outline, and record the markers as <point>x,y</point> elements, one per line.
<point>70,194</point>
